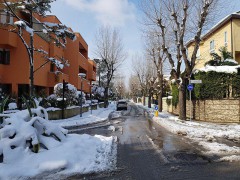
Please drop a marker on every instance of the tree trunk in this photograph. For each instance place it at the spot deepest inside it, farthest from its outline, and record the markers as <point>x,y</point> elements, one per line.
<point>149,100</point>
<point>144,102</point>
<point>31,59</point>
<point>182,100</point>
<point>160,93</point>
<point>160,101</point>
<point>106,97</point>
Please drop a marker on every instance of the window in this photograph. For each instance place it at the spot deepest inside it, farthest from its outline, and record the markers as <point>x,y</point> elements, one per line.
<point>6,18</point>
<point>212,46</point>
<point>4,56</point>
<point>52,69</point>
<point>198,54</point>
<point>225,38</point>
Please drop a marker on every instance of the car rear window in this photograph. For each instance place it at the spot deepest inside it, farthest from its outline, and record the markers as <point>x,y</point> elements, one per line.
<point>122,102</point>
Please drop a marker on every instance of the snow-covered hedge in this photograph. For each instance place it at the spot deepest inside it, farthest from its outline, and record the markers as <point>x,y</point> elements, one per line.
<point>70,93</point>
<point>20,132</point>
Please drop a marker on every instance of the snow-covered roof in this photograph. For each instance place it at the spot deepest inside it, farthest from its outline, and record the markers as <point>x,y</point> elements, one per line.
<point>224,69</point>
<point>223,21</point>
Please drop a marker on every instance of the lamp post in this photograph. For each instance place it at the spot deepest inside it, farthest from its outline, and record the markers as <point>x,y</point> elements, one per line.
<point>81,75</point>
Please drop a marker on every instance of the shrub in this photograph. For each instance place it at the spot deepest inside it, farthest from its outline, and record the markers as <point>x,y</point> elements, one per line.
<point>216,85</point>
<point>70,93</point>
<point>175,95</point>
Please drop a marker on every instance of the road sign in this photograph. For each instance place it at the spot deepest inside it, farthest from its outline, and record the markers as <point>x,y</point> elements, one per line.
<point>190,87</point>
<point>195,81</point>
<point>156,107</point>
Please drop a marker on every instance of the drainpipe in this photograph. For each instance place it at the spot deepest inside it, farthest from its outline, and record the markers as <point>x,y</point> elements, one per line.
<point>232,40</point>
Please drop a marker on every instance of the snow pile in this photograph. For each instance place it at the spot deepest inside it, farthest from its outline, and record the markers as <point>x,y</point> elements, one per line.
<point>12,106</point>
<point>34,145</point>
<point>78,154</point>
<point>205,134</point>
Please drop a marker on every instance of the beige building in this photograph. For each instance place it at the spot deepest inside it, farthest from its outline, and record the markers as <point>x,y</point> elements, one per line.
<point>225,33</point>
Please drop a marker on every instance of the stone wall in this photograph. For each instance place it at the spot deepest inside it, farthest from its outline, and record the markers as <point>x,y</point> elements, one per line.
<point>68,113</point>
<point>223,111</point>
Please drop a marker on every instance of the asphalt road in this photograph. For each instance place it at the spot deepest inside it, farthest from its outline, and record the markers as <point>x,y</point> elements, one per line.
<point>147,151</point>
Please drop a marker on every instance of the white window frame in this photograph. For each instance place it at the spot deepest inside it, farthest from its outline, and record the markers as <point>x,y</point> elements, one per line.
<point>4,19</point>
<point>212,46</point>
<point>198,55</point>
<point>225,39</point>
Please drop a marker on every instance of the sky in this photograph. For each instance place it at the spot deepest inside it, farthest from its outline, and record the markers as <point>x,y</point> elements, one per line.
<point>86,16</point>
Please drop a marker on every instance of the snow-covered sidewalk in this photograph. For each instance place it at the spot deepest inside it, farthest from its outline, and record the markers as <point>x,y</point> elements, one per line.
<point>98,115</point>
<point>206,135</point>
<point>222,140</point>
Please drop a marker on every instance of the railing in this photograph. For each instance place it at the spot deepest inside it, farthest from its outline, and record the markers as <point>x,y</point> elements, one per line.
<point>8,38</point>
<point>56,78</point>
<point>83,62</point>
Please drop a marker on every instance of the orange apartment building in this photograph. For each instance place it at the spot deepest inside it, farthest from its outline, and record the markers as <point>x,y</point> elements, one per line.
<point>14,61</point>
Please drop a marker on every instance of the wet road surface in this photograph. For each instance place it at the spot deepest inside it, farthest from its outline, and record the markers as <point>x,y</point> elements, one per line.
<point>148,151</point>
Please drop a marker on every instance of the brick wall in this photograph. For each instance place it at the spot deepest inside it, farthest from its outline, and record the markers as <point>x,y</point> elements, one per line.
<point>223,111</point>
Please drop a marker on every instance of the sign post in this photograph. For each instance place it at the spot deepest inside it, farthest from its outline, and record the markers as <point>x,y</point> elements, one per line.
<point>195,81</point>
<point>190,88</point>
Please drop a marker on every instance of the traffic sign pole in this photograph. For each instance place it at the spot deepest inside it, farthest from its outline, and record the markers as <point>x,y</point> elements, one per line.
<point>190,88</point>
<point>190,104</point>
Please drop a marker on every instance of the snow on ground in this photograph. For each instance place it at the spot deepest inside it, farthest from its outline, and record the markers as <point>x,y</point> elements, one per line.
<point>78,154</point>
<point>207,135</point>
<point>98,115</point>
<point>75,154</point>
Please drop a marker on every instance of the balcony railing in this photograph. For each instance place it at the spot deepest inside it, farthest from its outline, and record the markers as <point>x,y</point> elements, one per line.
<point>56,78</point>
<point>8,38</point>
<point>83,63</point>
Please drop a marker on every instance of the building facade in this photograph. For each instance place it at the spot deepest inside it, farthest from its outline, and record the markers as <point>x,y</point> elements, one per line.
<point>14,60</point>
<point>225,33</point>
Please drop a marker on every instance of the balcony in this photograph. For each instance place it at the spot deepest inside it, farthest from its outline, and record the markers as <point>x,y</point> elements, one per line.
<point>91,75</point>
<point>54,78</point>
<point>55,51</point>
<point>8,38</point>
<point>83,63</point>
<point>85,85</point>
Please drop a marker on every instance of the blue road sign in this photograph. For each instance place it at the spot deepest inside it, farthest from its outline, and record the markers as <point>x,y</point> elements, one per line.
<point>156,107</point>
<point>190,87</point>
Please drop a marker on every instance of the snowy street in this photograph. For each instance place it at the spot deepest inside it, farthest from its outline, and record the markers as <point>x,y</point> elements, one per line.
<point>146,150</point>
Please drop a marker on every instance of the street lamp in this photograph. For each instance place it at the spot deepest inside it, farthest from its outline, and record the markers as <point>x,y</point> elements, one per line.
<point>81,75</point>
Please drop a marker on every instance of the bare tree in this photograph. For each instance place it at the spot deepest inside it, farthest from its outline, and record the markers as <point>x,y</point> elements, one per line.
<point>109,47</point>
<point>174,18</point>
<point>146,75</point>
<point>134,87</point>
<point>157,56</point>
<point>120,87</point>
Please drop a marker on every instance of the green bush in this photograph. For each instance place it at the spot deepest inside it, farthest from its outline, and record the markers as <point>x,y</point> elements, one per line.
<point>175,95</point>
<point>216,85</point>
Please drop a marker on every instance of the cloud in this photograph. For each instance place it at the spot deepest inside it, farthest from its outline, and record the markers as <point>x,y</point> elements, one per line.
<point>107,12</point>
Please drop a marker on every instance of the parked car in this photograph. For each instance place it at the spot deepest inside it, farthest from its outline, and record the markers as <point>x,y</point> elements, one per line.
<point>122,105</point>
